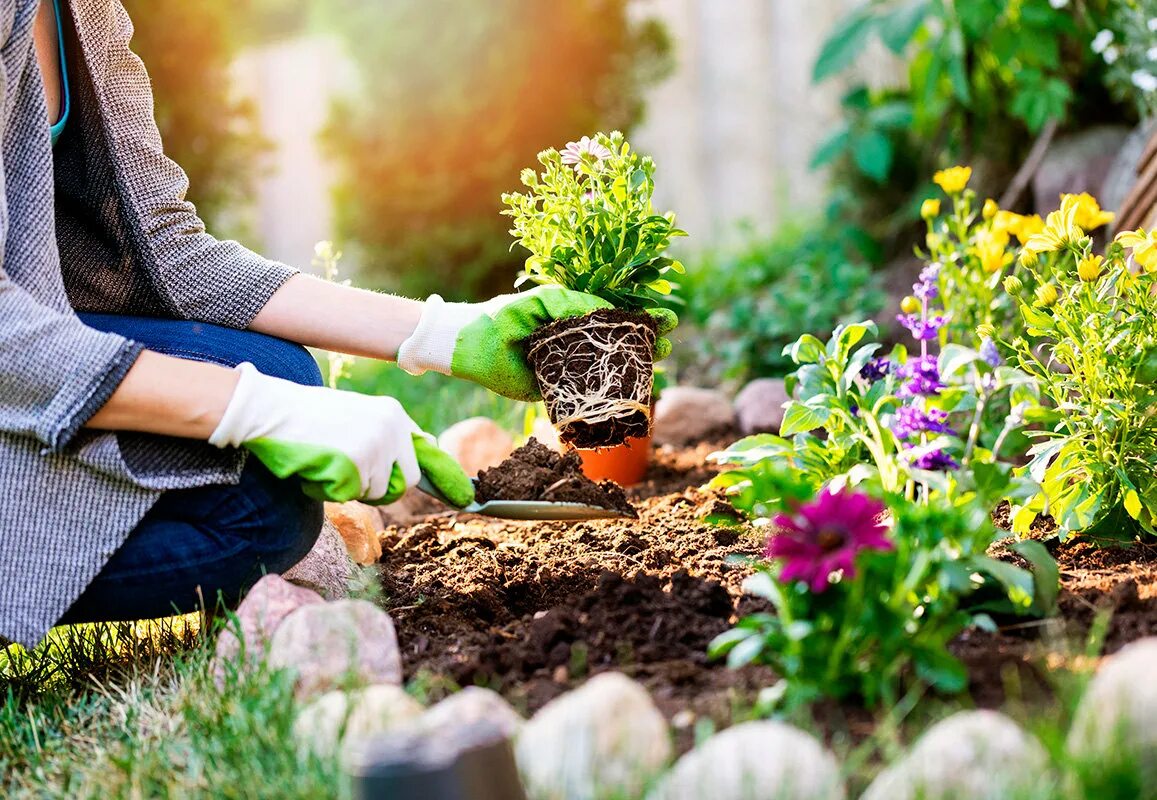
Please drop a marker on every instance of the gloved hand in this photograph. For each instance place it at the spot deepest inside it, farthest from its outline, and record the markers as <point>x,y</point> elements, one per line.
<point>483,342</point>
<point>343,445</point>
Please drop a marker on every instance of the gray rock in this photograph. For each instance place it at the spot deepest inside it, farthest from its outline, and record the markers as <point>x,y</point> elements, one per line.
<point>1080,162</point>
<point>979,755</point>
<point>477,443</point>
<point>1123,174</point>
<point>1115,725</point>
<point>686,414</point>
<point>759,406</point>
<point>335,645</point>
<point>327,568</point>
<point>269,602</point>
<point>755,761</point>
<point>606,739</point>
<point>468,706</point>
<point>337,720</point>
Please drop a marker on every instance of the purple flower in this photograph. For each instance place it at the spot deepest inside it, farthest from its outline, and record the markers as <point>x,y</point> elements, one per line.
<point>911,421</point>
<point>921,377</point>
<point>989,353</point>
<point>924,329</point>
<point>876,369</point>
<point>935,460</point>
<point>926,287</point>
<point>825,536</point>
<point>573,153</point>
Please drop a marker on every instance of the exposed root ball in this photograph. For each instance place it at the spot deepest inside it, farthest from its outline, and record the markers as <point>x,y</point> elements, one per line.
<point>596,374</point>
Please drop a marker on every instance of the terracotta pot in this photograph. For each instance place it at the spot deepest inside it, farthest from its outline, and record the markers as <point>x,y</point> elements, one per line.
<point>625,464</point>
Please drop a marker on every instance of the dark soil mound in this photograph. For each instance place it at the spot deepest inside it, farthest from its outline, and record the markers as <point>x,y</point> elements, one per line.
<point>535,472</point>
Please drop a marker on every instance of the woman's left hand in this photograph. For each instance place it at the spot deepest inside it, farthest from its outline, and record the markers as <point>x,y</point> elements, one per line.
<point>485,342</point>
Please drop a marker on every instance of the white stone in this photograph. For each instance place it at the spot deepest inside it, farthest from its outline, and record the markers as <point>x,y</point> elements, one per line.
<point>1117,716</point>
<point>469,706</point>
<point>605,739</point>
<point>326,569</point>
<point>755,761</point>
<point>337,720</point>
<point>980,755</point>
<point>477,443</point>
<point>686,414</point>
<point>759,406</point>
<point>337,644</point>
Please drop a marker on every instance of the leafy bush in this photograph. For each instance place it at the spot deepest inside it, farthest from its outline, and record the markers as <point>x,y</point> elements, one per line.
<point>1128,46</point>
<point>458,95</point>
<point>589,224</point>
<point>749,302</point>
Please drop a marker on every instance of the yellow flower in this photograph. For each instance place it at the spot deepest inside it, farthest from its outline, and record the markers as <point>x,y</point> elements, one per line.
<point>1023,228</point>
<point>985,331</point>
<point>990,208</point>
<point>1060,229</point>
<point>910,305</point>
<point>1143,245</point>
<point>991,253</point>
<point>1029,258</point>
<point>930,209</point>
<point>1090,268</point>
<point>1047,295</point>
<point>1089,213</point>
<point>1013,284</point>
<point>953,180</point>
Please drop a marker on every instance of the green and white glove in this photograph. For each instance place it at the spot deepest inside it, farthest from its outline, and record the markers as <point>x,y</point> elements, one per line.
<point>483,342</point>
<point>342,445</point>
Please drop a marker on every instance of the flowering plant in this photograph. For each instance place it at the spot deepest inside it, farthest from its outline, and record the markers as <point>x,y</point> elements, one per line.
<point>868,588</point>
<point>589,223</point>
<point>1095,318</point>
<point>1128,46</point>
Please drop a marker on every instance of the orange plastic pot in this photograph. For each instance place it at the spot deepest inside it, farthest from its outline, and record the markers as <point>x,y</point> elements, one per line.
<point>625,464</point>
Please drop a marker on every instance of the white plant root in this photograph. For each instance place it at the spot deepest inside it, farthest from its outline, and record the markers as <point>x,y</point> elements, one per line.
<point>602,391</point>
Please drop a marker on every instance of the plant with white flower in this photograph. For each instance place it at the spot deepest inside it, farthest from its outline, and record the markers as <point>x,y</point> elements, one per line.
<point>1127,46</point>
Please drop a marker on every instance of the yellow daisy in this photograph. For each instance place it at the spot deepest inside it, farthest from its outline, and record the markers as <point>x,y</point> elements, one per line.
<point>1089,213</point>
<point>1059,230</point>
<point>1143,245</point>
<point>1089,269</point>
<point>953,180</point>
<point>990,251</point>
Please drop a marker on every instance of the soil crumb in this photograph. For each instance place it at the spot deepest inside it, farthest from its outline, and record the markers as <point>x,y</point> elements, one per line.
<point>535,472</point>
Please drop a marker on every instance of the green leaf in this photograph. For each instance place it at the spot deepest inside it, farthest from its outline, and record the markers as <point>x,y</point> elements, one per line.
<point>1133,503</point>
<point>830,148</point>
<point>897,29</point>
<point>807,349</point>
<point>873,153</point>
<point>1046,575</point>
<point>955,357</point>
<point>800,418</point>
<point>844,44</point>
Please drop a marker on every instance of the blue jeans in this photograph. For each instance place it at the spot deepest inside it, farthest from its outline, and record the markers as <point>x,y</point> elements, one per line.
<point>197,545</point>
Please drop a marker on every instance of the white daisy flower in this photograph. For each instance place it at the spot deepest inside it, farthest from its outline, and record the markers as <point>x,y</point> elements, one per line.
<point>1102,40</point>
<point>1111,55</point>
<point>1145,81</point>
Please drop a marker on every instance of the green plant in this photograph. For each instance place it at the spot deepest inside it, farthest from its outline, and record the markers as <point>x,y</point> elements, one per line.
<point>1094,354</point>
<point>590,226</point>
<point>869,588</point>
<point>456,97</point>
<point>750,301</point>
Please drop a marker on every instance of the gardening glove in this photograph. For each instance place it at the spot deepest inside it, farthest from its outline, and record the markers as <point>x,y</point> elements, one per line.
<point>342,445</point>
<point>484,342</point>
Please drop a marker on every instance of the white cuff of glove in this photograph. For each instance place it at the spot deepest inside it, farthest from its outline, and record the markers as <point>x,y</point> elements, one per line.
<point>239,421</point>
<point>431,345</point>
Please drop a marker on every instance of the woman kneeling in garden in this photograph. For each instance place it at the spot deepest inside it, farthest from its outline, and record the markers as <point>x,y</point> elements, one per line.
<point>142,360</point>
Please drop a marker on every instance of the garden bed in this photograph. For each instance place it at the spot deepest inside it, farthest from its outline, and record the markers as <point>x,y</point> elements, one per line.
<point>532,609</point>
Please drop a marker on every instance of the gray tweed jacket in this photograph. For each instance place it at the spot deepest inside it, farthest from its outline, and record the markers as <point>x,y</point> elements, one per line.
<point>101,224</point>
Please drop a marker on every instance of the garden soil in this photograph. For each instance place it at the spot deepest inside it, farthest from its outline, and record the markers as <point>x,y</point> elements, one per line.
<point>533,609</point>
<point>535,472</point>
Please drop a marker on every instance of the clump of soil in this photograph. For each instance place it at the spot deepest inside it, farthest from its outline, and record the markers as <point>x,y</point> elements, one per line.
<point>596,374</point>
<point>535,472</point>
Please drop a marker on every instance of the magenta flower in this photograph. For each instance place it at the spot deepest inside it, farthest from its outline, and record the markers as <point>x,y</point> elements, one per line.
<point>573,153</point>
<point>825,535</point>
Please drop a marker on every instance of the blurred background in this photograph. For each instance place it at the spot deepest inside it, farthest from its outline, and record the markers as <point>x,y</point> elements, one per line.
<point>795,140</point>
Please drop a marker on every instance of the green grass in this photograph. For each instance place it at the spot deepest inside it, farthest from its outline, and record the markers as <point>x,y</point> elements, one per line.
<point>131,711</point>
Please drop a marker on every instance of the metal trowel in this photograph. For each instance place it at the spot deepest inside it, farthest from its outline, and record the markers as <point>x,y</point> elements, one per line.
<point>539,510</point>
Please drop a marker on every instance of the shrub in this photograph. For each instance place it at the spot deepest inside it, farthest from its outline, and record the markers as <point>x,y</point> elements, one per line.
<point>749,302</point>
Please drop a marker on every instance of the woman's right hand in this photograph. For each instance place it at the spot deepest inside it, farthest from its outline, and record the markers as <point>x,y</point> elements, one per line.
<point>342,445</point>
